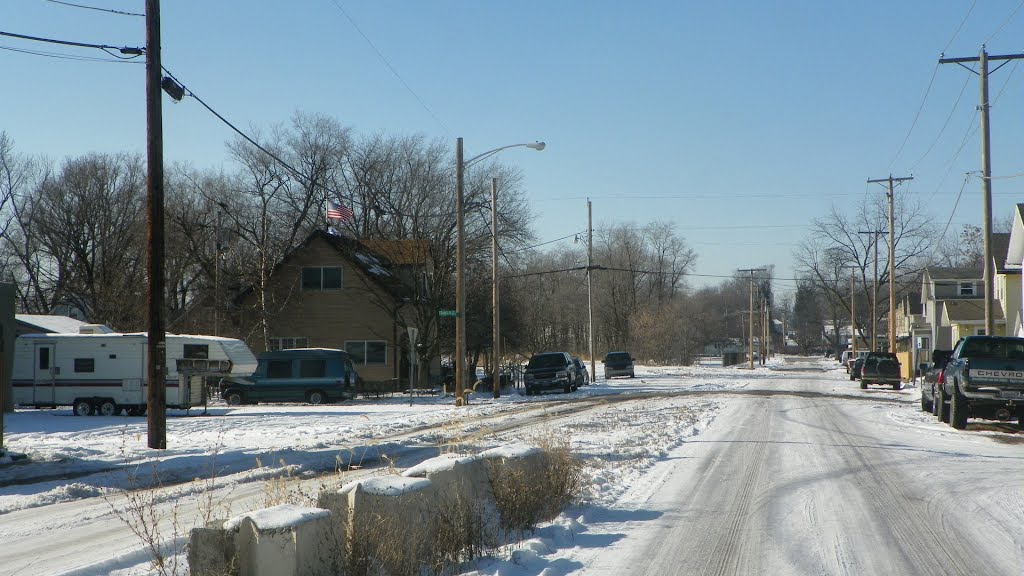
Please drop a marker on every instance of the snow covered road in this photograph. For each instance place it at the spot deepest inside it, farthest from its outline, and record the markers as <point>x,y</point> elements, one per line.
<point>856,484</point>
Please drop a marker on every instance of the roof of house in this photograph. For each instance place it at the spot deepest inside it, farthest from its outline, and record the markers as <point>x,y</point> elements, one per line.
<point>401,252</point>
<point>48,323</point>
<point>957,311</point>
<point>1000,247</point>
<point>947,273</point>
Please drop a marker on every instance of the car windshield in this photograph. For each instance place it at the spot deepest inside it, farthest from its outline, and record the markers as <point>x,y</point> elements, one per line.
<point>547,361</point>
<point>617,357</point>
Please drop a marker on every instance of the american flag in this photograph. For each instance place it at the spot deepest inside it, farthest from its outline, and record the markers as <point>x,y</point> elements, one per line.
<point>338,212</point>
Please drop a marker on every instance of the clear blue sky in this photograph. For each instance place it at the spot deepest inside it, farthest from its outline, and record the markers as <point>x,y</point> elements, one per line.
<point>739,121</point>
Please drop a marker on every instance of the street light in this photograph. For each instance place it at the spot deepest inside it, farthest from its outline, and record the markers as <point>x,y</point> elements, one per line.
<point>460,258</point>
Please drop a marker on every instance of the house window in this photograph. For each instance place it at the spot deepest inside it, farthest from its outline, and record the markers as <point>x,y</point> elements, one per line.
<point>316,278</point>
<point>979,332</point>
<point>365,353</point>
<point>85,364</point>
<point>288,343</point>
<point>967,288</point>
<point>197,351</point>
<point>279,369</point>
<point>923,343</point>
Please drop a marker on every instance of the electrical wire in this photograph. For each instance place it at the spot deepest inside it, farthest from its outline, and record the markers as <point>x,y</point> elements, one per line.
<point>917,115</point>
<point>546,243</point>
<point>1005,22</point>
<point>944,125</point>
<point>61,56</point>
<point>960,27</point>
<point>387,63</point>
<point>122,49</point>
<point>118,12</point>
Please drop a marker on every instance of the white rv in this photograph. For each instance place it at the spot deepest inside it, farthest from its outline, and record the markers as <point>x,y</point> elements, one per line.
<point>97,371</point>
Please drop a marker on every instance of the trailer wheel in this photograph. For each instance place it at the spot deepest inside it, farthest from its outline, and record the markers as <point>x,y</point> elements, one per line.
<point>82,407</point>
<point>315,397</point>
<point>233,397</point>
<point>958,409</point>
<point>108,408</point>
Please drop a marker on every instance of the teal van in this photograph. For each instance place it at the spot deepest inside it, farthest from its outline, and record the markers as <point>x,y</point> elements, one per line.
<point>313,375</point>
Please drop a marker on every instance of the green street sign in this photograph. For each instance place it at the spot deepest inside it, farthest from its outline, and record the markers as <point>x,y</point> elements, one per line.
<point>447,313</point>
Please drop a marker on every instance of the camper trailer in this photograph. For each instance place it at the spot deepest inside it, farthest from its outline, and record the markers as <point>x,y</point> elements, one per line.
<point>98,371</point>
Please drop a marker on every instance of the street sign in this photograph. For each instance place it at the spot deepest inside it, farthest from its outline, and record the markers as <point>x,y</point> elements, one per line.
<point>447,313</point>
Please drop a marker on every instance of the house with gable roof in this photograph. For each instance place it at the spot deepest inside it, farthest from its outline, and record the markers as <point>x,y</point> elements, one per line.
<point>334,291</point>
<point>1014,261</point>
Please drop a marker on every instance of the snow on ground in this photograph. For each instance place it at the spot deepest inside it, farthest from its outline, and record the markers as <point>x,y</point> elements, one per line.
<point>73,457</point>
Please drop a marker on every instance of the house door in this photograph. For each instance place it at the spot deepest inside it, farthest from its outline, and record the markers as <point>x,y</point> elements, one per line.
<point>44,373</point>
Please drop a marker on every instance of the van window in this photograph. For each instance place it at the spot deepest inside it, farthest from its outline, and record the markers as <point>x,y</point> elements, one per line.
<point>312,368</point>
<point>279,369</point>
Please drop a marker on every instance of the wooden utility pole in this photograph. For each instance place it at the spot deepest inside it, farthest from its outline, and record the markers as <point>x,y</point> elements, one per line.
<point>460,279</point>
<point>853,311</point>
<point>986,170</point>
<point>874,292</point>
<point>156,348</point>
<point>892,258</point>
<point>496,384</point>
<point>751,346</point>
<point>590,288</point>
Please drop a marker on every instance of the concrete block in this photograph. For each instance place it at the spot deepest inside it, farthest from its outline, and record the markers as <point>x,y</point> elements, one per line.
<point>391,523</point>
<point>211,551</point>
<point>284,540</point>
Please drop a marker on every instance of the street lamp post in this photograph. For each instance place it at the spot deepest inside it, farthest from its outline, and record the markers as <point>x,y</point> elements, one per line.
<point>460,258</point>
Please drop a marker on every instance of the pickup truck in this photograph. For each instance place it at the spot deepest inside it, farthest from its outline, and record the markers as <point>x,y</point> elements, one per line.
<point>550,371</point>
<point>984,377</point>
<point>881,368</point>
<point>934,377</point>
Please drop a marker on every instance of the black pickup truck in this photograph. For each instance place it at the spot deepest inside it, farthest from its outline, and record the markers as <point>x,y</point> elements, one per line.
<point>984,378</point>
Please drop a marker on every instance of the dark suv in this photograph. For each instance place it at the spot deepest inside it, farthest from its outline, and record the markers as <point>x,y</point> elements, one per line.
<point>618,364</point>
<point>550,371</point>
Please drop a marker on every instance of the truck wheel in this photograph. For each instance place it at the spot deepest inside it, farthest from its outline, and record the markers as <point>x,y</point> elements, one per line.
<point>958,409</point>
<point>863,384</point>
<point>315,397</point>
<point>233,398</point>
<point>942,409</point>
<point>851,376</point>
<point>82,408</point>
<point>108,408</point>
<point>896,385</point>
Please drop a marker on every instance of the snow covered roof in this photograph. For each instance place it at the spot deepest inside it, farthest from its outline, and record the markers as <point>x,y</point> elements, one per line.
<point>48,323</point>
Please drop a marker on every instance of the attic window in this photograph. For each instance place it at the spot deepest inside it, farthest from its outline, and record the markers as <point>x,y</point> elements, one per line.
<point>967,288</point>
<point>316,278</point>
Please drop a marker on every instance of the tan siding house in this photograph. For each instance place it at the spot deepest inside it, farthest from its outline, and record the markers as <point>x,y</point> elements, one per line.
<point>330,292</point>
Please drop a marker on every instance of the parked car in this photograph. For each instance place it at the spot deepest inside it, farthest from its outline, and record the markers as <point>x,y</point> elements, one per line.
<point>858,365</point>
<point>983,378</point>
<point>314,375</point>
<point>881,368</point>
<point>934,377</point>
<point>854,357</point>
<point>550,371</point>
<point>583,376</point>
<point>618,364</point>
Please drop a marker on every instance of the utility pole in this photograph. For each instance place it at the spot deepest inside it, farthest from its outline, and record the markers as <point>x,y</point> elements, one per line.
<point>986,169</point>
<point>853,310</point>
<point>892,257</point>
<point>156,423</point>
<point>496,384</point>
<point>590,287</point>
<point>874,292</point>
<point>460,280</point>
<point>751,346</point>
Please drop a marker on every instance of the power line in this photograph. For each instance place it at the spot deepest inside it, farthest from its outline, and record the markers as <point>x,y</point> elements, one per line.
<point>390,67</point>
<point>62,56</point>
<point>546,243</point>
<point>134,52</point>
<point>1005,22</point>
<point>118,12</point>
<point>960,27</point>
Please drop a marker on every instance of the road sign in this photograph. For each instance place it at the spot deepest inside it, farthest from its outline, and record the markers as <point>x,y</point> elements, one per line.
<point>447,313</point>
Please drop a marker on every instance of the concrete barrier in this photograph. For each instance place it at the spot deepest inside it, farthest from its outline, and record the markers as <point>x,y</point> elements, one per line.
<point>284,540</point>
<point>388,524</point>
